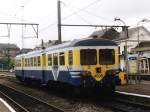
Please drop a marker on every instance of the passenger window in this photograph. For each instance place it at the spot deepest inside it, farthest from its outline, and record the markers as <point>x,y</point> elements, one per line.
<point>35,61</point>
<point>19,63</point>
<point>38,61</point>
<point>31,61</point>
<point>28,62</point>
<point>70,58</point>
<point>25,62</point>
<point>49,59</point>
<point>62,58</point>
<point>55,59</point>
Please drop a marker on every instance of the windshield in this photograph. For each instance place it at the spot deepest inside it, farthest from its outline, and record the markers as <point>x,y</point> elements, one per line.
<point>106,56</point>
<point>88,57</point>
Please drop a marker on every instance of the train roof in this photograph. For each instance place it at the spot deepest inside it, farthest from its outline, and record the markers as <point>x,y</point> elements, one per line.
<point>29,54</point>
<point>94,42</point>
<point>34,53</point>
<point>84,42</point>
<point>74,43</point>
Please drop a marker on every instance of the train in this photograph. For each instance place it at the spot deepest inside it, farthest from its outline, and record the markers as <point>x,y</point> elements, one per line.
<point>81,63</point>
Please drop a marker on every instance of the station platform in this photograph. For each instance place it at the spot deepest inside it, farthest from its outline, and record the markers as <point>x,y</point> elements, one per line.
<point>5,107</point>
<point>142,88</point>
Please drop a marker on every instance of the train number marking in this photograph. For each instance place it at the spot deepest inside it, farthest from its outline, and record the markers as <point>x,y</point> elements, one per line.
<point>98,75</point>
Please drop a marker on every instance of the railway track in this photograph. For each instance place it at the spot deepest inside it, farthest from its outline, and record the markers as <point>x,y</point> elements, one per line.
<point>121,103</point>
<point>26,103</point>
<point>128,103</point>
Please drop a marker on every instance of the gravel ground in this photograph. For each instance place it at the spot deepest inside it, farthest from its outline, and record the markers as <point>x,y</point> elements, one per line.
<point>57,98</point>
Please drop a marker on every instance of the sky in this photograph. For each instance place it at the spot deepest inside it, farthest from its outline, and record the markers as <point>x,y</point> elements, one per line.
<point>44,12</point>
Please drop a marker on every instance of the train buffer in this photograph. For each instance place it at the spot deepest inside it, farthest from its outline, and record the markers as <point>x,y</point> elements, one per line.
<point>5,107</point>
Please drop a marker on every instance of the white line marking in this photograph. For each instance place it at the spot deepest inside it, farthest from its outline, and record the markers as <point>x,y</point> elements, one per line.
<point>7,105</point>
<point>75,76</point>
<point>133,94</point>
<point>75,73</point>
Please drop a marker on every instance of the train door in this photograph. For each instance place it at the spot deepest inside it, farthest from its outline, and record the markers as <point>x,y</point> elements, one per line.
<point>43,67</point>
<point>22,69</point>
<point>149,65</point>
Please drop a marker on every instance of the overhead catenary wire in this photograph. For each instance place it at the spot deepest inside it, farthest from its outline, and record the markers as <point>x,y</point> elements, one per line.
<point>73,13</point>
<point>88,12</point>
<point>23,4</point>
<point>79,10</point>
<point>82,18</point>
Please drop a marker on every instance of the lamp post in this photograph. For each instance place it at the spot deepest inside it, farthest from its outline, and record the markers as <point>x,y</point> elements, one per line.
<point>1,67</point>
<point>138,39</point>
<point>125,50</point>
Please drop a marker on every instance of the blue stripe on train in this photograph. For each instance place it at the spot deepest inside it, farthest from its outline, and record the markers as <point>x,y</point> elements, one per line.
<point>45,76</point>
<point>71,77</point>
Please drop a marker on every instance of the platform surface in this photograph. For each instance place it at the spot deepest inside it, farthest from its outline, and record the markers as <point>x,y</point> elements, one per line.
<point>143,88</point>
<point>5,107</point>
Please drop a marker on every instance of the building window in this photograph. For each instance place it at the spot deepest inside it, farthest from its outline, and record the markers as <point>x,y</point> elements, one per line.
<point>55,59</point>
<point>62,58</point>
<point>49,59</point>
<point>70,58</point>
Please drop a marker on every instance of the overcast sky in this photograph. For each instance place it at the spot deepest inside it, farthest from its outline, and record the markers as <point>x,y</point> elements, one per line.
<point>44,12</point>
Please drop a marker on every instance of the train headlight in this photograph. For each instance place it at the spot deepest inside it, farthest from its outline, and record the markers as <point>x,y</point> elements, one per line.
<point>86,73</point>
<point>115,72</point>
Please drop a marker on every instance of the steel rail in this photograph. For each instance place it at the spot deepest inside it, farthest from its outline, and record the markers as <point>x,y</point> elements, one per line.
<point>17,105</point>
<point>35,100</point>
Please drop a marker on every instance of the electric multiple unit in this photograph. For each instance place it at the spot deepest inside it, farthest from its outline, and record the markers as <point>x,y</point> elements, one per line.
<point>81,63</point>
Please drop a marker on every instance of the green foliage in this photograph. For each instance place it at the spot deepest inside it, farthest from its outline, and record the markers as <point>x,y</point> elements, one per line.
<point>7,63</point>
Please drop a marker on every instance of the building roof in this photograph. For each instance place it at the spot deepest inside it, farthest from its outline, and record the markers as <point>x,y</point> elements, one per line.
<point>25,50</point>
<point>109,33</point>
<point>143,46</point>
<point>131,31</point>
<point>135,29</point>
<point>8,46</point>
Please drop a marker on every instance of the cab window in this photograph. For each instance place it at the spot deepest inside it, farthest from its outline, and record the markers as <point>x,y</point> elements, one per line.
<point>88,56</point>
<point>106,56</point>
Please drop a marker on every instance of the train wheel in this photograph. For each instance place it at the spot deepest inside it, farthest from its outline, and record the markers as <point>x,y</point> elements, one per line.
<point>110,89</point>
<point>77,91</point>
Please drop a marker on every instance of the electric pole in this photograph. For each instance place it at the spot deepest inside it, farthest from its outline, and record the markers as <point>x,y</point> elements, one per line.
<point>59,20</point>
